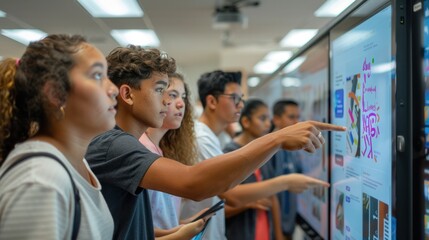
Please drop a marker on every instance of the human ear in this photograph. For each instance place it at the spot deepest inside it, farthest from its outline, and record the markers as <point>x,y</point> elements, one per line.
<point>50,90</point>
<point>126,95</point>
<point>211,102</point>
<point>245,121</point>
<point>56,101</point>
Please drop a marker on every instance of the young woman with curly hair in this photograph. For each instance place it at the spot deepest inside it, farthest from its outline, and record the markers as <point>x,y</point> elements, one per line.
<point>178,127</point>
<point>54,100</point>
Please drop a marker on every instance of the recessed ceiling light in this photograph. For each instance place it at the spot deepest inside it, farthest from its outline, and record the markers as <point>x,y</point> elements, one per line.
<point>140,37</point>
<point>332,8</point>
<point>294,64</point>
<point>253,81</point>
<point>278,56</point>
<point>291,82</point>
<point>24,36</point>
<point>2,14</point>
<point>265,67</point>
<point>112,8</point>
<point>298,37</point>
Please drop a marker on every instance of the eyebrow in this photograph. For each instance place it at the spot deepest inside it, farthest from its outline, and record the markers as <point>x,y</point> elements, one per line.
<point>162,82</point>
<point>97,64</point>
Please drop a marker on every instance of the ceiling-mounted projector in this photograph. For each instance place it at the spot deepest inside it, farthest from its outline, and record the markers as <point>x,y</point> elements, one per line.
<point>229,17</point>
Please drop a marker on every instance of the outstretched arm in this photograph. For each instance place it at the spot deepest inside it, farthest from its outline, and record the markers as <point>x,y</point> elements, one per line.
<point>295,182</point>
<point>218,174</point>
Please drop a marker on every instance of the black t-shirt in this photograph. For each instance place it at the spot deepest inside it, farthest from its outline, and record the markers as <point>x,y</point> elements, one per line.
<point>243,225</point>
<point>120,161</point>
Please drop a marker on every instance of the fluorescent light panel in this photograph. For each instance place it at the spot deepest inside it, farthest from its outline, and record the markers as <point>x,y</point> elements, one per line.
<point>265,67</point>
<point>24,36</point>
<point>298,37</point>
<point>332,8</point>
<point>253,81</point>
<point>112,8</point>
<point>2,14</point>
<point>292,66</point>
<point>278,56</point>
<point>140,37</point>
<point>291,82</point>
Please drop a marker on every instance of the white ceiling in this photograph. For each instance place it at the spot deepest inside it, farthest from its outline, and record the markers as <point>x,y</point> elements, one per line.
<point>184,28</point>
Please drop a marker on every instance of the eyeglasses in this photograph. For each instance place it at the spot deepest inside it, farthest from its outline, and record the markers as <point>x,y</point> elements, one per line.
<point>293,117</point>
<point>235,98</point>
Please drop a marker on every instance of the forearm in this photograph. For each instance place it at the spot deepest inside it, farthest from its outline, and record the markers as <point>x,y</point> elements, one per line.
<point>246,193</point>
<point>221,173</point>
<point>231,211</point>
<point>277,218</point>
<point>212,176</point>
<point>163,232</point>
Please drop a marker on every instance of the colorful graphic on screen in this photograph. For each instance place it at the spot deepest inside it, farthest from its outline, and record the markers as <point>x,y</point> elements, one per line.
<point>361,159</point>
<point>353,115</point>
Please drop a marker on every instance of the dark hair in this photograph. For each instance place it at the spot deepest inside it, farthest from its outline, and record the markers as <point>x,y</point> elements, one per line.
<point>250,106</point>
<point>279,106</point>
<point>213,83</point>
<point>185,133</point>
<point>23,103</point>
<point>129,65</point>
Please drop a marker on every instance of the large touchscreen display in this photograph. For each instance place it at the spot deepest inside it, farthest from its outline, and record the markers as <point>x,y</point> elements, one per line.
<point>361,157</point>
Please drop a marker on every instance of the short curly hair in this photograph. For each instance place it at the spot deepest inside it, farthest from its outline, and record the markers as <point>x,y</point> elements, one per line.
<point>129,65</point>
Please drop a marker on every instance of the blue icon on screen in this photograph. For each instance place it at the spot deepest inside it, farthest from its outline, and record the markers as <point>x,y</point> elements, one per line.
<point>339,103</point>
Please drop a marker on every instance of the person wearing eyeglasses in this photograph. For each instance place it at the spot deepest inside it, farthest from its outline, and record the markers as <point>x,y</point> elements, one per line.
<point>222,100</point>
<point>127,169</point>
<point>286,113</point>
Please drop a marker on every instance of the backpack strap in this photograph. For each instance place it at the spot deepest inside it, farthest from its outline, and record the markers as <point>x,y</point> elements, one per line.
<point>77,212</point>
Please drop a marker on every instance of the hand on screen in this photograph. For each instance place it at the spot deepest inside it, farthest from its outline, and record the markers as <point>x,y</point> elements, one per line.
<point>306,135</point>
<point>298,183</point>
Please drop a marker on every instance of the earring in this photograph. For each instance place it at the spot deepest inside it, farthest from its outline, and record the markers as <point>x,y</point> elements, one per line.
<point>63,113</point>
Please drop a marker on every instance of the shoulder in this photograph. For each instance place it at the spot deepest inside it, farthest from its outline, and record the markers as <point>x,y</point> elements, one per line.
<point>37,171</point>
<point>114,142</point>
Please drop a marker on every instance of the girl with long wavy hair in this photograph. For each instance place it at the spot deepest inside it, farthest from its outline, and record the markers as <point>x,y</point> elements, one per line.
<point>178,127</point>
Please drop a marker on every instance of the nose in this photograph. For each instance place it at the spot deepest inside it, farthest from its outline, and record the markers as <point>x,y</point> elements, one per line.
<point>180,104</point>
<point>241,104</point>
<point>166,99</point>
<point>113,91</point>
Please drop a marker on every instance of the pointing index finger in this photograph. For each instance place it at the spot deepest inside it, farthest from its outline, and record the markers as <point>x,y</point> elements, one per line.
<point>328,126</point>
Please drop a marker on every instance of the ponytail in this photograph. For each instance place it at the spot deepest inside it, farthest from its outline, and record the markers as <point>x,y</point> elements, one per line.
<point>8,68</point>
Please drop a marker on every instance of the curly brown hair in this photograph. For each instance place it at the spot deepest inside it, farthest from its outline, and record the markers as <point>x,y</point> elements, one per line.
<point>47,60</point>
<point>184,134</point>
<point>129,65</point>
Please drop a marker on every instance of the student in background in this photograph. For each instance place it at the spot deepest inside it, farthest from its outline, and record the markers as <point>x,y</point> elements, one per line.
<point>258,220</point>
<point>126,168</point>
<point>286,113</point>
<point>221,96</point>
<point>54,100</point>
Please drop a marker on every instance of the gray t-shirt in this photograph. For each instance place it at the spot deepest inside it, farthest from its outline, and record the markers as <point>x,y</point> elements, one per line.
<point>120,161</point>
